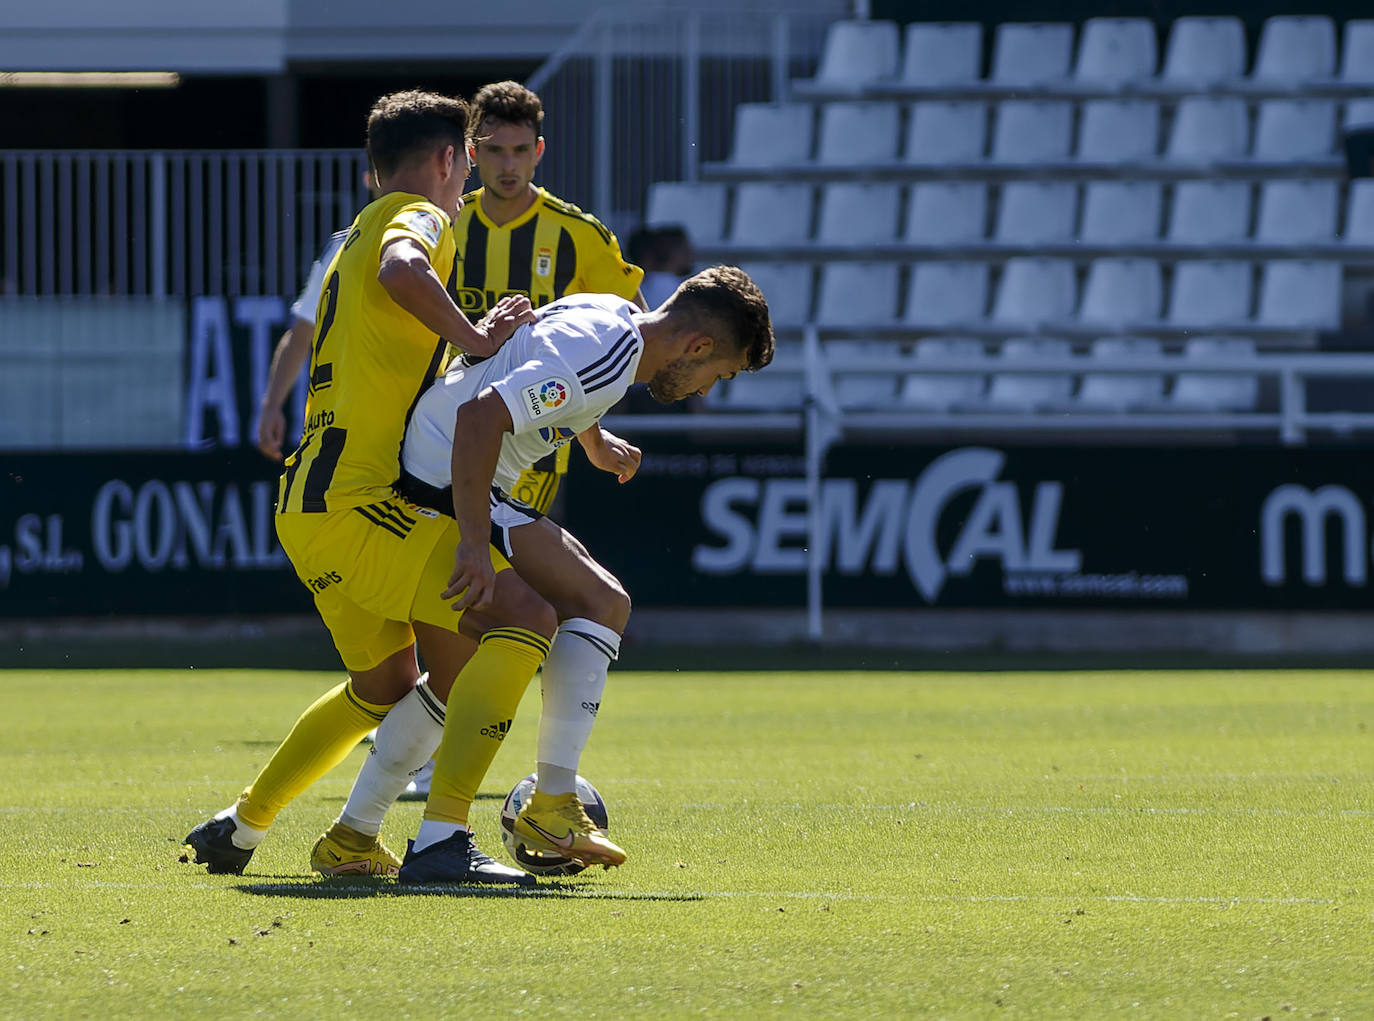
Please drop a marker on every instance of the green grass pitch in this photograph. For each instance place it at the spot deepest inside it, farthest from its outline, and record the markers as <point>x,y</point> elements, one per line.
<point>978,845</point>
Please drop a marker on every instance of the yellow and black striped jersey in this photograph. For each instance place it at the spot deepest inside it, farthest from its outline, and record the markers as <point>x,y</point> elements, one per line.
<point>550,250</point>
<point>370,362</point>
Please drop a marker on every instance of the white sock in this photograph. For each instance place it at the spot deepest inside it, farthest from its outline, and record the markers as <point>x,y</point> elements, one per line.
<point>244,837</point>
<point>432,831</point>
<point>406,739</point>
<point>571,684</point>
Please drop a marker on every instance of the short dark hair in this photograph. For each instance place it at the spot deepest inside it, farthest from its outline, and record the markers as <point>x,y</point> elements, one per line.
<point>403,125</point>
<point>510,103</point>
<point>730,307</point>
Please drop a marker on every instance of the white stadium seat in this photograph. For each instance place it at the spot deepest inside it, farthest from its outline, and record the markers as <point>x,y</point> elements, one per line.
<point>942,53</point>
<point>1210,212</point>
<point>1035,290</point>
<point>1032,131</point>
<point>857,294</point>
<point>1205,50</point>
<point>858,213</point>
<point>946,132</point>
<point>857,134</point>
<point>1292,129</point>
<point>1296,49</point>
<point>1113,51</point>
<point>947,294</point>
<point>1301,293</point>
<point>942,391</point>
<point>1014,391</point>
<point>857,53</point>
<point>1210,292</point>
<point>1359,213</point>
<point>1118,131</point>
<point>858,389</point>
<point>1109,391</point>
<point>700,208</point>
<point>1031,53</point>
<point>1207,129</point>
<point>941,212</point>
<point>1294,212</point>
<point>1215,391</point>
<point>773,134</point>
<point>1033,212</point>
<point>787,288</point>
<point>1121,212</point>
<point>1357,55</point>
<point>1122,291</point>
<point>771,213</point>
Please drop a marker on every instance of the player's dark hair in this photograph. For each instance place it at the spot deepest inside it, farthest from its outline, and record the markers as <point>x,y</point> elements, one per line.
<point>509,103</point>
<point>730,307</point>
<point>404,125</point>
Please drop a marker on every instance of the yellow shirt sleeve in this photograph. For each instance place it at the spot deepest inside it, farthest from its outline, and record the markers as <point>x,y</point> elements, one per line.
<point>424,223</point>
<point>604,270</point>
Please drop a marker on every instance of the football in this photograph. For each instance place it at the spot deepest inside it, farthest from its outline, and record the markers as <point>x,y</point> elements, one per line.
<point>544,863</point>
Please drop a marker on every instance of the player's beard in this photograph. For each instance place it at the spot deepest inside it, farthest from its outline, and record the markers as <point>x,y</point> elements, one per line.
<point>669,383</point>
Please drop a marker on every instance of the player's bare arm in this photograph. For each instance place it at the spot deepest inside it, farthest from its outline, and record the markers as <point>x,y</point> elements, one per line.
<point>478,429</point>
<point>610,453</point>
<point>291,353</point>
<point>410,280</point>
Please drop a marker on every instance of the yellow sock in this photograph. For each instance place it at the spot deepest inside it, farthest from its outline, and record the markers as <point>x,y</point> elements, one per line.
<point>320,740</point>
<point>480,709</point>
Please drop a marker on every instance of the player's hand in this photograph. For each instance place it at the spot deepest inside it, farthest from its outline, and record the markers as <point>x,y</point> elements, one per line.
<point>271,432</point>
<point>510,313</point>
<point>473,581</point>
<point>619,457</point>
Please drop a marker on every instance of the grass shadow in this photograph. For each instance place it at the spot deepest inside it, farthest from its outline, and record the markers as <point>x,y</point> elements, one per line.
<point>358,887</point>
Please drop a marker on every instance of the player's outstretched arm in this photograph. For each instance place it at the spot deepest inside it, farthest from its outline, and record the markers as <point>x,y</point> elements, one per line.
<point>409,278</point>
<point>610,453</point>
<point>478,429</point>
<point>292,351</point>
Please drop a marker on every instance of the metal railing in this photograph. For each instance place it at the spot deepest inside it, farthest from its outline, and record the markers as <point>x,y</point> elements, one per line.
<point>170,223</point>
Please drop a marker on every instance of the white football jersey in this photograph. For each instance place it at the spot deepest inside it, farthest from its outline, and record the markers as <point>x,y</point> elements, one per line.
<point>558,376</point>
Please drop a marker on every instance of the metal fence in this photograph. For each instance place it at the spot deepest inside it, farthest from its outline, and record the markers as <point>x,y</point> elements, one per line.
<point>170,224</point>
<point>637,98</point>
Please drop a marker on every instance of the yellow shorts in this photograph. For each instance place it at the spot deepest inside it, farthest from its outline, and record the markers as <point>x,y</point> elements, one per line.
<point>373,570</point>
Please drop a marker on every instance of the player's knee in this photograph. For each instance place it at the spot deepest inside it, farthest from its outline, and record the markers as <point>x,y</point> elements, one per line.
<point>533,612</point>
<point>614,608</point>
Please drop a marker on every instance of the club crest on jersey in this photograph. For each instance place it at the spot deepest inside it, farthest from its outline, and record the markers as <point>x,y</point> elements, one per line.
<point>546,396</point>
<point>543,262</point>
<point>426,224</point>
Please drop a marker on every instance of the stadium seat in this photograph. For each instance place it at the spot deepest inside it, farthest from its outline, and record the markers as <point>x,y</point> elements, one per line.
<point>1301,293</point>
<point>1292,129</point>
<point>781,388</point>
<point>1032,212</point>
<point>857,294</point>
<point>857,389</point>
<point>941,212</point>
<point>1118,131</point>
<point>1210,212</point>
<point>1103,391</point>
<point>700,208</point>
<point>858,53</point>
<point>1035,290</point>
<point>1113,51</point>
<point>1031,53</point>
<point>1032,131</point>
<point>771,213</point>
<point>857,134</point>
<point>1359,213</point>
<point>943,391</point>
<point>1359,113</point>
<point>1121,212</point>
<point>942,53</point>
<point>1119,292</point>
<point>1210,292</point>
<point>1015,391</point>
<point>945,132</point>
<point>787,288</point>
<point>1294,212</point>
<point>1207,129</point>
<point>947,294</point>
<point>1296,49</point>
<point>859,213</point>
<point>1204,50</point>
<point>1215,391</point>
<point>1357,55</point>
<point>772,134</point>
